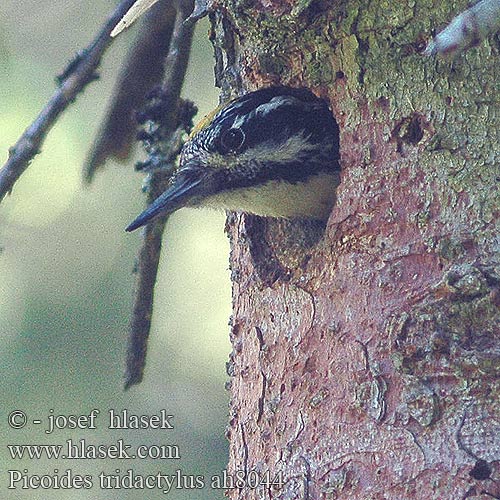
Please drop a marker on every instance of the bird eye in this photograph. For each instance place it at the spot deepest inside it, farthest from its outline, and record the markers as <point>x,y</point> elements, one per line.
<point>232,139</point>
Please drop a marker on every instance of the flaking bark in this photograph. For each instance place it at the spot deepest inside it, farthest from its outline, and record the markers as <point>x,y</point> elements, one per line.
<point>365,359</point>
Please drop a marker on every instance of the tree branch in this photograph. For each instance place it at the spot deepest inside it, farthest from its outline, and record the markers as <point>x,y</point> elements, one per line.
<point>467,29</point>
<point>79,73</point>
<point>142,71</point>
<point>149,254</point>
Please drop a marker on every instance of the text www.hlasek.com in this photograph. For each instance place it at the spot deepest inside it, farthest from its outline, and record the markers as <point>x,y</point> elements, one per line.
<point>80,449</point>
<point>128,479</point>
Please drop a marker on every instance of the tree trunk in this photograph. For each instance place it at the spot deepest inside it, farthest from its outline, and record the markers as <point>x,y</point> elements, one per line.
<point>365,359</point>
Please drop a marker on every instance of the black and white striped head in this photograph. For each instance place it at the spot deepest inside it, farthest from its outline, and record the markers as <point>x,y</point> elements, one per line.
<point>250,153</point>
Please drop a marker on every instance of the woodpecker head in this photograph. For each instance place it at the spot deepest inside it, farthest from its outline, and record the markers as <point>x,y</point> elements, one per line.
<point>273,152</point>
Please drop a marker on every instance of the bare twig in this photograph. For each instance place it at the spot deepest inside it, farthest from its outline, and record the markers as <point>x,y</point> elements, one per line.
<point>142,71</point>
<point>79,73</point>
<point>467,29</point>
<point>175,69</point>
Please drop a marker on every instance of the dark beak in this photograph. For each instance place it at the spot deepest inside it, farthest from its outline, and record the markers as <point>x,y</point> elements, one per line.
<point>188,184</point>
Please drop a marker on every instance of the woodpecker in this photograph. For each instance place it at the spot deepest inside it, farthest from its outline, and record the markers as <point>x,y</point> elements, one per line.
<point>273,152</point>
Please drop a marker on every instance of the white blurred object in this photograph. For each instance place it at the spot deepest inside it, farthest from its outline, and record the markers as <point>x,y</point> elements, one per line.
<point>467,29</point>
<point>133,13</point>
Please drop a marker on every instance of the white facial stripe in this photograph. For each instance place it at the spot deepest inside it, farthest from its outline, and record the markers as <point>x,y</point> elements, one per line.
<point>293,148</point>
<point>238,123</point>
<point>265,109</point>
<point>232,107</point>
<point>273,104</point>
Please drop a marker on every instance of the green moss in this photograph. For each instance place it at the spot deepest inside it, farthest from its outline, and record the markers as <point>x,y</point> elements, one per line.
<point>274,64</point>
<point>449,249</point>
<point>317,69</point>
<point>300,6</point>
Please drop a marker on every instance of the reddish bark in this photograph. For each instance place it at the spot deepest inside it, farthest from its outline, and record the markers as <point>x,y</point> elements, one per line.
<point>365,363</point>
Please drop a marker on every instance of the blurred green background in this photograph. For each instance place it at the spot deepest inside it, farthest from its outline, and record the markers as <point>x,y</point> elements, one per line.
<point>66,273</point>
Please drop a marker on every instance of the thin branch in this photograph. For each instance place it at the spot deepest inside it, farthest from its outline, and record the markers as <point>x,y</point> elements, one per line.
<point>74,79</point>
<point>142,71</point>
<point>467,29</point>
<point>149,255</point>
